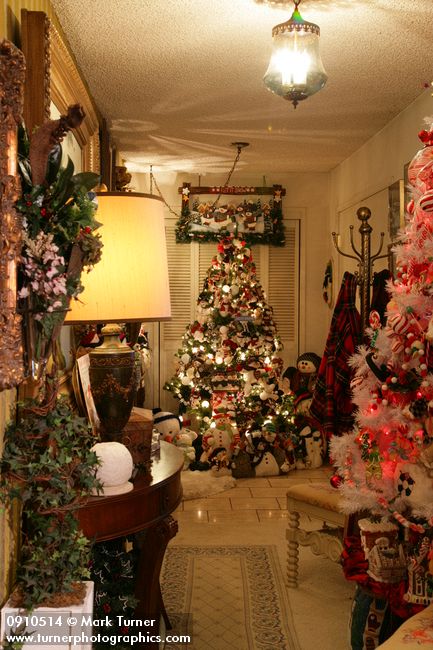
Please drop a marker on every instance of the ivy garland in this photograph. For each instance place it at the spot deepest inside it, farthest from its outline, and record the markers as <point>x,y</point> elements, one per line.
<point>271,213</point>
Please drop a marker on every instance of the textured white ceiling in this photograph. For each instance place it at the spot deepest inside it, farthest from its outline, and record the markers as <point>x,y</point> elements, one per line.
<point>180,80</point>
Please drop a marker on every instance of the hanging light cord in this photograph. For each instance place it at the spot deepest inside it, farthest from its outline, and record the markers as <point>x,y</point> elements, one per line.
<point>235,162</point>
<point>153,180</point>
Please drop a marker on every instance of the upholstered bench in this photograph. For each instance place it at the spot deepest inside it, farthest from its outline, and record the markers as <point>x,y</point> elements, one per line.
<point>415,632</point>
<point>318,501</point>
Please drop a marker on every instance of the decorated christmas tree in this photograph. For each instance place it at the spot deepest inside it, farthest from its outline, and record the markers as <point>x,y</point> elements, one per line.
<point>228,367</point>
<point>386,464</point>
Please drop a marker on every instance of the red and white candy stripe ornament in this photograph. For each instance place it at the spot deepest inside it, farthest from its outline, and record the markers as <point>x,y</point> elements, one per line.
<point>422,157</point>
<point>425,203</point>
<point>398,323</point>
<point>397,346</point>
<point>410,207</point>
<point>424,179</point>
<point>419,161</point>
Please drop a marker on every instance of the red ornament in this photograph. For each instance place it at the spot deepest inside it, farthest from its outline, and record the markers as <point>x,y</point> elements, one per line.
<point>336,480</point>
<point>426,137</point>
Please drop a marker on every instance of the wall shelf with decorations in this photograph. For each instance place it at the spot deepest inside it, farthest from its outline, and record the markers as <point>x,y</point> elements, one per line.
<point>256,220</point>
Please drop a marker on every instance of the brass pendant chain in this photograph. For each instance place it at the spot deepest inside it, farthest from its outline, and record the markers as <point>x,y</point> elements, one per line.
<point>153,181</point>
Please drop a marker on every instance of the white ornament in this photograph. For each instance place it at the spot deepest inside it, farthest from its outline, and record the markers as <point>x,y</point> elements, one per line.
<point>185,358</point>
<point>115,467</point>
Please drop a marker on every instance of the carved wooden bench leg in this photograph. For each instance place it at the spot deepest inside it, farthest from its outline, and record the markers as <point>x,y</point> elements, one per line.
<point>292,549</point>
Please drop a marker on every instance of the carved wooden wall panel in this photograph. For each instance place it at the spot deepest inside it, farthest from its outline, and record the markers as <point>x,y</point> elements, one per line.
<point>12,72</point>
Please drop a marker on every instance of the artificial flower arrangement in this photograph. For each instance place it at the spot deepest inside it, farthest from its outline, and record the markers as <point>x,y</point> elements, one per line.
<point>47,465</point>
<point>58,233</point>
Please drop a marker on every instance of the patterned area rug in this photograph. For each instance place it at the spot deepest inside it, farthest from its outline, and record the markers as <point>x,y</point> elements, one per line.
<point>227,597</point>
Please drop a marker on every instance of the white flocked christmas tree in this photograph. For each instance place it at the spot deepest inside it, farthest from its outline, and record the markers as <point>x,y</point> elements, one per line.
<point>386,463</point>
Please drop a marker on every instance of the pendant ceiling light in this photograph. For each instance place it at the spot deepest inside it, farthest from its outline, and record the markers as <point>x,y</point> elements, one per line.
<point>295,70</point>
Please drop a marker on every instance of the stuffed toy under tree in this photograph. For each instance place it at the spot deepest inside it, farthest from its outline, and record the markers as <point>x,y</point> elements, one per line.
<point>386,464</point>
<point>228,366</point>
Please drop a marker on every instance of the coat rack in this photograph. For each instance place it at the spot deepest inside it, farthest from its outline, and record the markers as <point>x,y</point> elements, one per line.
<point>365,261</point>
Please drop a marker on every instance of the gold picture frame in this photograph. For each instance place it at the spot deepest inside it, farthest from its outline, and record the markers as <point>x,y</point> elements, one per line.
<point>12,66</point>
<point>396,209</point>
<point>53,80</point>
<point>52,76</point>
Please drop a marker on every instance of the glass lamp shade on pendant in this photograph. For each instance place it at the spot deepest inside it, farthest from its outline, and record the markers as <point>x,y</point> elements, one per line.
<point>129,284</point>
<point>295,70</point>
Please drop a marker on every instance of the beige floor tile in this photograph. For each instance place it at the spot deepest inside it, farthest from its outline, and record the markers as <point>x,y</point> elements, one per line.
<point>203,504</point>
<point>179,507</point>
<point>296,477</point>
<point>261,492</point>
<point>268,515</point>
<point>312,473</point>
<point>254,504</point>
<point>235,518</point>
<point>238,492</point>
<point>282,501</point>
<point>253,482</point>
<point>192,517</point>
<point>279,481</point>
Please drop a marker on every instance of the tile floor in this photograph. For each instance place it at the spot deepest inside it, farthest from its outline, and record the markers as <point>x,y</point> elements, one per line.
<point>252,500</point>
<point>254,512</point>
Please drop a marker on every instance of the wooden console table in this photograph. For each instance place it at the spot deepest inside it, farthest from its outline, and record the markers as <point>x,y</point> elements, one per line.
<point>145,510</point>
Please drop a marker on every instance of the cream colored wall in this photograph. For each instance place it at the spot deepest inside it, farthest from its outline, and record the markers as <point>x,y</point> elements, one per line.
<point>10,12</point>
<point>364,177</point>
<point>307,191</point>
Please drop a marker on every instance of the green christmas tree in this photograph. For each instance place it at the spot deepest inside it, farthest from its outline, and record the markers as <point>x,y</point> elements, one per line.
<point>228,366</point>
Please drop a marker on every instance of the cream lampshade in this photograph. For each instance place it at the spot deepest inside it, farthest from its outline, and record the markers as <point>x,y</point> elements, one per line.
<point>129,284</point>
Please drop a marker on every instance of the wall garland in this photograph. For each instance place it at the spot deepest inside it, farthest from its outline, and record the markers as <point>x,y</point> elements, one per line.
<point>256,221</point>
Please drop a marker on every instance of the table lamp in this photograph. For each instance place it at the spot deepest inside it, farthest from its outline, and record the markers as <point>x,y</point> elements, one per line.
<point>129,284</point>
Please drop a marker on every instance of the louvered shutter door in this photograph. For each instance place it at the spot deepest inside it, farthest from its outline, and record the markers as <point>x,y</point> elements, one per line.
<point>283,291</point>
<point>206,252</point>
<point>180,261</point>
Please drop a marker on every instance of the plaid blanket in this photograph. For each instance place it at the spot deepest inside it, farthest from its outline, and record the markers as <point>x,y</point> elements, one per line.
<point>332,404</point>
